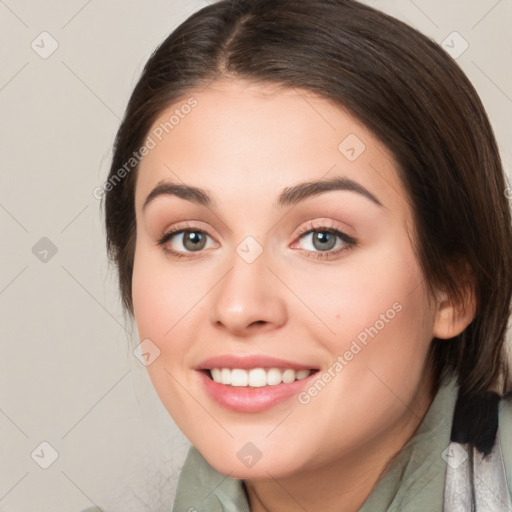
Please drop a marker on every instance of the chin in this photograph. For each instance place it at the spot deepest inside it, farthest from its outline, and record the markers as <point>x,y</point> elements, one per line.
<point>242,467</point>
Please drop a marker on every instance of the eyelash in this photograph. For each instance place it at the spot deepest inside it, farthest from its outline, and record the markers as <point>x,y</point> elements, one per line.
<point>350,242</point>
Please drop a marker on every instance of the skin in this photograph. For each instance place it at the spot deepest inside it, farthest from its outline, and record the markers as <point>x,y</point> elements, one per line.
<point>245,143</point>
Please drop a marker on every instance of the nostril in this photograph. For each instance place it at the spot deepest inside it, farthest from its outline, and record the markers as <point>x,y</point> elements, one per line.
<point>258,322</point>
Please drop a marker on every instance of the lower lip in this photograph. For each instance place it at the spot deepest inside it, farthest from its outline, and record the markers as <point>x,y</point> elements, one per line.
<point>247,399</point>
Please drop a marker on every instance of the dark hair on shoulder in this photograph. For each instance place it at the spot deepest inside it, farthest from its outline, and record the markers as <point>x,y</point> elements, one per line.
<point>406,90</point>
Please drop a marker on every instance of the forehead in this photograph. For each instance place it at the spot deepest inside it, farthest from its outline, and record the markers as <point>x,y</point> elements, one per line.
<point>236,136</point>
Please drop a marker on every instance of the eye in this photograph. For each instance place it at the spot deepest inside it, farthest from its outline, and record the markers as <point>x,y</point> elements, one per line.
<point>324,241</point>
<point>179,241</point>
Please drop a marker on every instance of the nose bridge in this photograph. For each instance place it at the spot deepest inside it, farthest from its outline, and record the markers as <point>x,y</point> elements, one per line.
<point>246,296</point>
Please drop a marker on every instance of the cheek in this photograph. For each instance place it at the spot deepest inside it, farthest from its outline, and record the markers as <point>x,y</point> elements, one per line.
<point>168,299</point>
<point>377,293</point>
<point>383,324</point>
<point>163,293</point>
<point>163,297</point>
<point>380,324</point>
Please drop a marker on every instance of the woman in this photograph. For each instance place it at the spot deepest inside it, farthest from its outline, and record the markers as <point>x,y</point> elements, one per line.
<point>307,210</point>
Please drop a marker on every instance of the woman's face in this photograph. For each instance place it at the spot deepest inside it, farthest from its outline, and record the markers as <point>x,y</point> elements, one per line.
<point>295,255</point>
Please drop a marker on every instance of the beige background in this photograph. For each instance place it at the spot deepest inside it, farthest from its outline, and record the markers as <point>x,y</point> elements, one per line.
<point>68,376</point>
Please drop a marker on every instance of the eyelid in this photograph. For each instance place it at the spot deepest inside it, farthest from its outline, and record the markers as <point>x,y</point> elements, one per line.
<point>322,224</point>
<point>184,226</point>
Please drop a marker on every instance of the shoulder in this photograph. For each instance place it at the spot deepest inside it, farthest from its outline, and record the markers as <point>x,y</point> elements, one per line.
<point>505,433</point>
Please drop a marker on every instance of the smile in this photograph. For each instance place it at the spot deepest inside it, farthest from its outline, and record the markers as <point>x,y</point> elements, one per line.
<point>252,383</point>
<point>257,377</point>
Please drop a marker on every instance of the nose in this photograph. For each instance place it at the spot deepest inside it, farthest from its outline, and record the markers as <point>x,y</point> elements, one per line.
<point>249,299</point>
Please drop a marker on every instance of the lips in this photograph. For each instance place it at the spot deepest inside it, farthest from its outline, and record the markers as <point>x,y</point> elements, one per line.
<point>252,383</point>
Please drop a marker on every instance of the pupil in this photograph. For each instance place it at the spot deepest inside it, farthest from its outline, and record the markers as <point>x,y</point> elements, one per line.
<point>194,241</point>
<point>324,237</point>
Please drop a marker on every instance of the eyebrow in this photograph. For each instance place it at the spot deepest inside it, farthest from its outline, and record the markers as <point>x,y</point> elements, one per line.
<point>289,196</point>
<point>295,194</point>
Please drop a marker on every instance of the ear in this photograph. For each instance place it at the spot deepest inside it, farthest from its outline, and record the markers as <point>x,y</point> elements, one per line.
<point>453,316</point>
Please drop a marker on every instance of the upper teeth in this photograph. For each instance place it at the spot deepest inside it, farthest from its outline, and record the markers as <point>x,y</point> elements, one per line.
<point>256,377</point>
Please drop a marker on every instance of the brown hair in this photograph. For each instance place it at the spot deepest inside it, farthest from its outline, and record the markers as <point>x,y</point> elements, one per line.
<point>406,90</point>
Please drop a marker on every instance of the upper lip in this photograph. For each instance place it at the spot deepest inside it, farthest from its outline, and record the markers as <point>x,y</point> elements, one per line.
<point>248,362</point>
